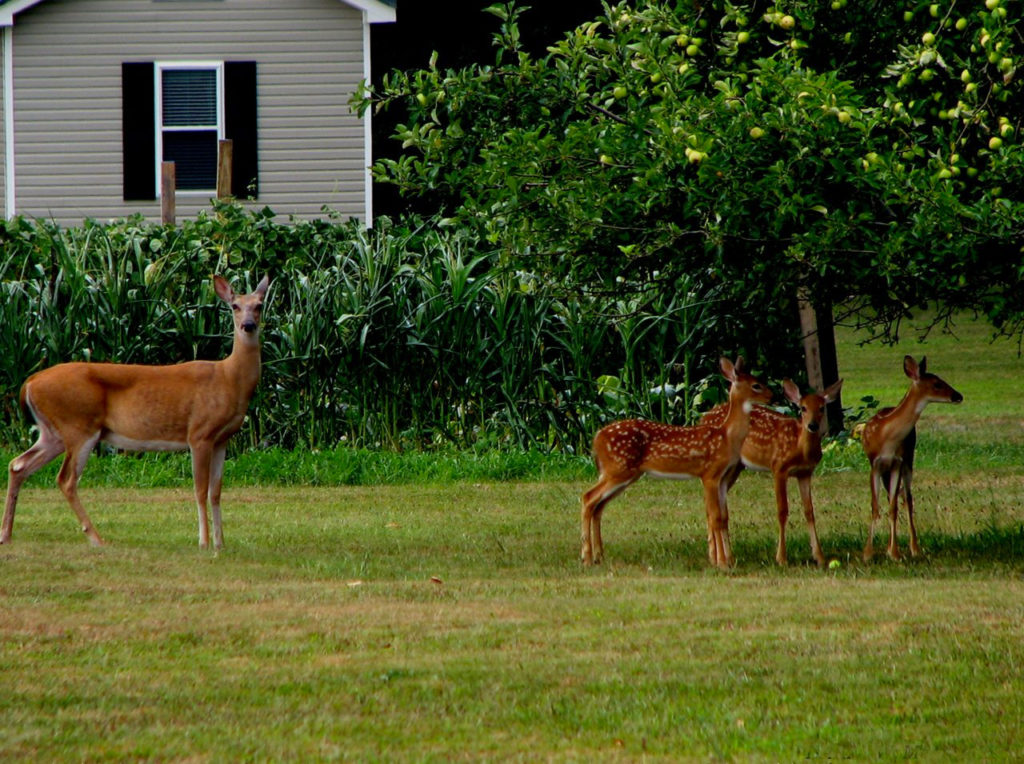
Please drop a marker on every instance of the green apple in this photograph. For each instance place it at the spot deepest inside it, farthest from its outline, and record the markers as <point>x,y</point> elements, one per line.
<point>620,92</point>
<point>995,142</point>
<point>787,22</point>
<point>756,132</point>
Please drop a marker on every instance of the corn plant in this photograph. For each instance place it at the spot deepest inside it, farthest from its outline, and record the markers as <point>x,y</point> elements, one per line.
<point>406,336</point>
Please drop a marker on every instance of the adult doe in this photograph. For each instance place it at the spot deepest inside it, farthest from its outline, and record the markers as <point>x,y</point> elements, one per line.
<point>197,405</point>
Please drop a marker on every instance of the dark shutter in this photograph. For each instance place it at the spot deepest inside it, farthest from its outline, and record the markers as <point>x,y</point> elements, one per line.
<point>240,126</point>
<point>138,131</point>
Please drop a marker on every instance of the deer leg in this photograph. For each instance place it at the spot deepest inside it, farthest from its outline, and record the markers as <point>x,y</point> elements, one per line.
<point>216,480</point>
<point>595,533</point>
<point>586,521</point>
<point>908,497</point>
<point>725,556</point>
<point>711,512</point>
<point>719,553</point>
<point>733,475</point>
<point>75,457</point>
<point>46,448</point>
<point>594,500</point>
<point>804,484</point>
<point>894,508</point>
<point>876,487</point>
<point>202,455</point>
<point>782,510</point>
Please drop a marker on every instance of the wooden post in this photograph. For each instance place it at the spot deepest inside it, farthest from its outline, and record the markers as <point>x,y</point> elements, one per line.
<point>167,187</point>
<point>225,156</point>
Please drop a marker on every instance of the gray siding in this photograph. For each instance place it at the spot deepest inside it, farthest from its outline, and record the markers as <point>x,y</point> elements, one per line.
<point>67,74</point>
<point>3,130</point>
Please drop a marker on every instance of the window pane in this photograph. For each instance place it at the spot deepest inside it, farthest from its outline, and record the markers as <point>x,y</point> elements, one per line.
<point>194,153</point>
<point>189,97</point>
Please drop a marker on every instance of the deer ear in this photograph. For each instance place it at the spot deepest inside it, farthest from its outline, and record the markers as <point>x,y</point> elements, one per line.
<point>923,366</point>
<point>728,370</point>
<point>791,390</point>
<point>910,368</point>
<point>832,391</point>
<point>264,284</point>
<point>223,289</point>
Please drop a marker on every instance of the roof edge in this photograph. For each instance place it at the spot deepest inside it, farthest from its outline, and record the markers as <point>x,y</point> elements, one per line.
<point>9,8</point>
<point>376,11</point>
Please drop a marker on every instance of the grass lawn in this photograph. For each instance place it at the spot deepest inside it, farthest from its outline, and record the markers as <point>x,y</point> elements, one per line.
<point>451,620</point>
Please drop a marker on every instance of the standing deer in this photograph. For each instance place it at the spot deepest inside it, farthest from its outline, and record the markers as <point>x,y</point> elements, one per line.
<point>626,450</point>
<point>197,405</point>
<point>889,439</point>
<point>786,447</point>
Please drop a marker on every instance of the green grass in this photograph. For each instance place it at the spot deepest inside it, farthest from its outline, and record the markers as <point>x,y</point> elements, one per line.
<point>447,619</point>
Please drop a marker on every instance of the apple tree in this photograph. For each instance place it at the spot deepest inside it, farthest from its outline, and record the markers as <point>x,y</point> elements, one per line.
<point>858,158</point>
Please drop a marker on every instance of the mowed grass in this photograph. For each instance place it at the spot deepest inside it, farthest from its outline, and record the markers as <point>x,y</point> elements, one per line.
<point>452,621</point>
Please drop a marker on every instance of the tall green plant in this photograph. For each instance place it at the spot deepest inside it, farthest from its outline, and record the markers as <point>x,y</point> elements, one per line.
<point>409,335</point>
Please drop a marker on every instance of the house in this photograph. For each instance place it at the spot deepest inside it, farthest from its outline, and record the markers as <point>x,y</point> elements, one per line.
<point>97,93</point>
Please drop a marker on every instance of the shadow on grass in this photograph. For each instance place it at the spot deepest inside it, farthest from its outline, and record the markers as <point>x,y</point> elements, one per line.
<point>991,549</point>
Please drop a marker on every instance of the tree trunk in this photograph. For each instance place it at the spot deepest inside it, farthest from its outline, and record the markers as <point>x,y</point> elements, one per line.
<point>818,328</point>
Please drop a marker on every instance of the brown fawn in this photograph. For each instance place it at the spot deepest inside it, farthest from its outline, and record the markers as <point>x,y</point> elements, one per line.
<point>626,450</point>
<point>197,405</point>
<point>889,439</point>
<point>786,447</point>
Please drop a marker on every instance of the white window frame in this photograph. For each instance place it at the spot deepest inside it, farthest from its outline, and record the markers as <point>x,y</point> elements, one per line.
<point>159,67</point>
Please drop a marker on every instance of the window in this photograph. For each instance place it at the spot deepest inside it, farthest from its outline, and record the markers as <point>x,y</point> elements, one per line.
<point>177,112</point>
<point>190,122</point>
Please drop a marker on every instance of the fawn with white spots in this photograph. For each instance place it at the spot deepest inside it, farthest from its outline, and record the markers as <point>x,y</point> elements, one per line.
<point>786,447</point>
<point>889,439</point>
<point>197,405</point>
<point>626,450</point>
